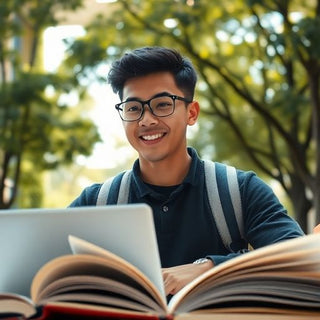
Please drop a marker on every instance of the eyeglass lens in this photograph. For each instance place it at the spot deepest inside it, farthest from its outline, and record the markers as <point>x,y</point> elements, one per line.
<point>160,107</point>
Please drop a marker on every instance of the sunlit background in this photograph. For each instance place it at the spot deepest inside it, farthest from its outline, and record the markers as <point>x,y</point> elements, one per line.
<point>254,58</point>
<point>106,154</point>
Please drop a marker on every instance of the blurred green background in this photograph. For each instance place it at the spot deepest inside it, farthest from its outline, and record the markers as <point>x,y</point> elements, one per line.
<point>259,70</point>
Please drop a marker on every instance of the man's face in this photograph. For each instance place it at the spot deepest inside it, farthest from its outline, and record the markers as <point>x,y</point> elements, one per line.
<point>158,138</point>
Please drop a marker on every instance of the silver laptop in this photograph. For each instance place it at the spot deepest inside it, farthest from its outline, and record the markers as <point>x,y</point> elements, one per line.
<point>31,237</point>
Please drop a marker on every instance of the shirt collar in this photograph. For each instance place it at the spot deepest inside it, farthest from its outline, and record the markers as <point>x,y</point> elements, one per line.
<point>191,177</point>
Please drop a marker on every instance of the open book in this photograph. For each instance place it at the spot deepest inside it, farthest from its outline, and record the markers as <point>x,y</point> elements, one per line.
<point>280,281</point>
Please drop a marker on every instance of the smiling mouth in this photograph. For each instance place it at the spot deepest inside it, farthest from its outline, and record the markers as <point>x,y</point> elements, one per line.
<point>152,137</point>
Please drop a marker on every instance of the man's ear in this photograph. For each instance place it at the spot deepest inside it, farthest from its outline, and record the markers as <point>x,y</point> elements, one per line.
<point>193,112</point>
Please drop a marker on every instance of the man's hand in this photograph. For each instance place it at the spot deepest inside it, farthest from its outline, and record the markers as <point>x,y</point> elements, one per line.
<point>316,229</point>
<point>175,278</point>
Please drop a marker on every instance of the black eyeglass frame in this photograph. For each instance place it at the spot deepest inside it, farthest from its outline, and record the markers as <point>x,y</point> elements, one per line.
<point>147,102</point>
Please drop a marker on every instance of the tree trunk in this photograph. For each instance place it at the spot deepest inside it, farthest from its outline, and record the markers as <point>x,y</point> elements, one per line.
<point>301,204</point>
<point>10,173</point>
<point>316,205</point>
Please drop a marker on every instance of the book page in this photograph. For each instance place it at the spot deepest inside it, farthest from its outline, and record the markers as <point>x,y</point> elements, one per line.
<point>302,252</point>
<point>247,314</point>
<point>82,265</point>
<point>98,290</point>
<point>306,260</point>
<point>282,290</point>
<point>14,303</point>
<point>81,246</point>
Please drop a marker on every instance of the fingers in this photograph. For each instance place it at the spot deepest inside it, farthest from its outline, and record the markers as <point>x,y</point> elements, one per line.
<point>172,283</point>
<point>176,278</point>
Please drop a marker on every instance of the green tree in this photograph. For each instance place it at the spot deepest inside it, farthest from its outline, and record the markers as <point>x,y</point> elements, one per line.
<point>259,68</point>
<point>38,130</point>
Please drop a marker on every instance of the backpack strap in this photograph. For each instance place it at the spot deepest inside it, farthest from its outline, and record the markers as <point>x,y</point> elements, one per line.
<point>122,183</point>
<point>223,195</point>
<point>225,202</point>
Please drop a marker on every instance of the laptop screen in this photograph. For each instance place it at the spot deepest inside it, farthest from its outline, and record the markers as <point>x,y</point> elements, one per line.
<point>31,237</point>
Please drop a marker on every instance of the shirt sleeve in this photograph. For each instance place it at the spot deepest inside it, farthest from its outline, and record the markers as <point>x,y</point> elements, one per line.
<point>88,197</point>
<point>217,259</point>
<point>266,221</point>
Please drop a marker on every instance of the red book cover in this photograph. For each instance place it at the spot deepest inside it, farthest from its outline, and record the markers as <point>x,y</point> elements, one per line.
<point>71,312</point>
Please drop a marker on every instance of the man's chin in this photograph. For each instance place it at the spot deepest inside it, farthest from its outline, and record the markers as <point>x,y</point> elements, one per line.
<point>151,156</point>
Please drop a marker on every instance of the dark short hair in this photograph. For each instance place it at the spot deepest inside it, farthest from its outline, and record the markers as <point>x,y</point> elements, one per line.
<point>147,60</point>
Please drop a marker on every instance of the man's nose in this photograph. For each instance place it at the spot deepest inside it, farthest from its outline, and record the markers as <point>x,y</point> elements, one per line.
<point>148,118</point>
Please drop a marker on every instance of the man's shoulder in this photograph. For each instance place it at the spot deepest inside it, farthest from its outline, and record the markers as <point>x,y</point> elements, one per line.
<point>88,196</point>
<point>242,174</point>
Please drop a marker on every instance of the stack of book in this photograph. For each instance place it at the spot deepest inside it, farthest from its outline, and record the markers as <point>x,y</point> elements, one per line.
<point>280,281</point>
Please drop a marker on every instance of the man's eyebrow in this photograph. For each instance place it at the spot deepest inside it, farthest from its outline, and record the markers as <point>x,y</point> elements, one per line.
<point>160,94</point>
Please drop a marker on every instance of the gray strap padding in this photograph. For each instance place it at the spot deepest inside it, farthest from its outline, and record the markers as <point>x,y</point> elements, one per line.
<point>215,203</point>
<point>234,190</point>
<point>123,195</point>
<point>103,193</point>
<point>213,197</point>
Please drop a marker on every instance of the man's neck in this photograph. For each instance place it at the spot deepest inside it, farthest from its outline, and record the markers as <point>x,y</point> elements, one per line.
<point>167,172</point>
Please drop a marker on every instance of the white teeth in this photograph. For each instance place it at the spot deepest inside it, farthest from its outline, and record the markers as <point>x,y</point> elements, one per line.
<point>152,137</point>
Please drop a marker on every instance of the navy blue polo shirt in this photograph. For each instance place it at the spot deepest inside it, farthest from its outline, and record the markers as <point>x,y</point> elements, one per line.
<point>184,223</point>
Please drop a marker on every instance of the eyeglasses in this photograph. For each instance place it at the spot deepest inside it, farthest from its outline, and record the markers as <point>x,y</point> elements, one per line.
<point>160,106</point>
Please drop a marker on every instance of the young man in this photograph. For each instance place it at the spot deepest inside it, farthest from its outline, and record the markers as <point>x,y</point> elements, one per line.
<point>156,86</point>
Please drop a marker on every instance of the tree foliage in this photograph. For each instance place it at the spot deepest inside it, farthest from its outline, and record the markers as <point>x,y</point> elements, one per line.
<point>37,130</point>
<point>259,68</point>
